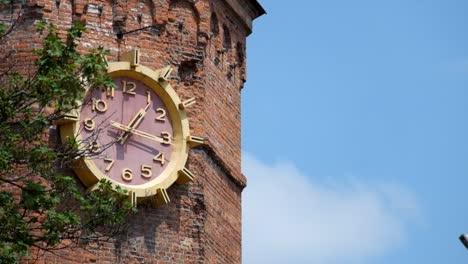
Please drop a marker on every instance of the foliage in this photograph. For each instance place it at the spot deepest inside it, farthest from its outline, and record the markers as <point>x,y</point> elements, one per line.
<point>40,205</point>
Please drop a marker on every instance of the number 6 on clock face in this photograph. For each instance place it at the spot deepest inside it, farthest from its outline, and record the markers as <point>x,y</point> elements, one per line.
<point>127,174</point>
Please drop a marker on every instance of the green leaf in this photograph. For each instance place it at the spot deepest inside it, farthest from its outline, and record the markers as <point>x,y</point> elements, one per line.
<point>48,203</point>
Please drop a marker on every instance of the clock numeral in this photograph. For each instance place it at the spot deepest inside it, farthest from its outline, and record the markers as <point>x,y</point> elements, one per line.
<point>160,115</point>
<point>110,164</point>
<point>129,87</point>
<point>148,97</point>
<point>94,147</point>
<point>166,136</point>
<point>89,124</point>
<point>99,105</point>
<point>110,92</point>
<point>160,158</point>
<point>127,174</point>
<point>146,171</point>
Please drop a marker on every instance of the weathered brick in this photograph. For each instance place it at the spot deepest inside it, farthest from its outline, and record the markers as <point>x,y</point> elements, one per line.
<point>204,41</point>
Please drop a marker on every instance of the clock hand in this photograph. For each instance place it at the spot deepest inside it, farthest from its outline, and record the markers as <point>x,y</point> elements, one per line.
<point>136,120</point>
<point>138,132</point>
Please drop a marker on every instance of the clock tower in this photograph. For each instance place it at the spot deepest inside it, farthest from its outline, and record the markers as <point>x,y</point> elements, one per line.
<point>183,65</point>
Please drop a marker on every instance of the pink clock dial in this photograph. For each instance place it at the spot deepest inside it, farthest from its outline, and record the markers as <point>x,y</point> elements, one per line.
<point>130,131</point>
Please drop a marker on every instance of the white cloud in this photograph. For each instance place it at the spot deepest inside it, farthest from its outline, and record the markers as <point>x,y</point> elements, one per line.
<point>289,219</point>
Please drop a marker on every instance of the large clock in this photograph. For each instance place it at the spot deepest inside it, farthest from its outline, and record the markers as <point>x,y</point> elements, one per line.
<point>136,134</point>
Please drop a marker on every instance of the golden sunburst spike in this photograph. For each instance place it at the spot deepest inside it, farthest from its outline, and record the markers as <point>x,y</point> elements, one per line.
<point>187,103</point>
<point>161,198</point>
<point>93,187</point>
<point>68,117</point>
<point>133,57</point>
<point>194,141</point>
<point>165,73</point>
<point>185,176</point>
<point>133,198</point>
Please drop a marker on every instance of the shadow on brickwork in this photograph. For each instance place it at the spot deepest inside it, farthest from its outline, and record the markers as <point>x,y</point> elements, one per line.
<point>175,227</point>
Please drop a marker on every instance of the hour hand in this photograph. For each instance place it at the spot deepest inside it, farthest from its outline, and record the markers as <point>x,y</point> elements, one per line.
<point>140,133</point>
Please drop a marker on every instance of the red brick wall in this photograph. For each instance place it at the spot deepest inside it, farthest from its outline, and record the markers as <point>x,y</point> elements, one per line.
<point>204,41</point>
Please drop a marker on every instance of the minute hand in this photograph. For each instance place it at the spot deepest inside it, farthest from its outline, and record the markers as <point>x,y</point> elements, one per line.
<point>138,132</point>
<point>136,120</point>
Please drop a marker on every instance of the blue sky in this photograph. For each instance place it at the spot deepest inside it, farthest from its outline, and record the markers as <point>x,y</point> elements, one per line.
<point>355,132</point>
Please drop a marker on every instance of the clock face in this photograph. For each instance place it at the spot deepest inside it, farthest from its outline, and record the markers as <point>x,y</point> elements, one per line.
<point>129,132</point>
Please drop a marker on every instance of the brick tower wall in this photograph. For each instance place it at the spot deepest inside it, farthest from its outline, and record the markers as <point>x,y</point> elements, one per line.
<point>204,42</point>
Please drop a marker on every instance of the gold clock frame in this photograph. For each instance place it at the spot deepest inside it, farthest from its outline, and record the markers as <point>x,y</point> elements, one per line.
<point>86,169</point>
